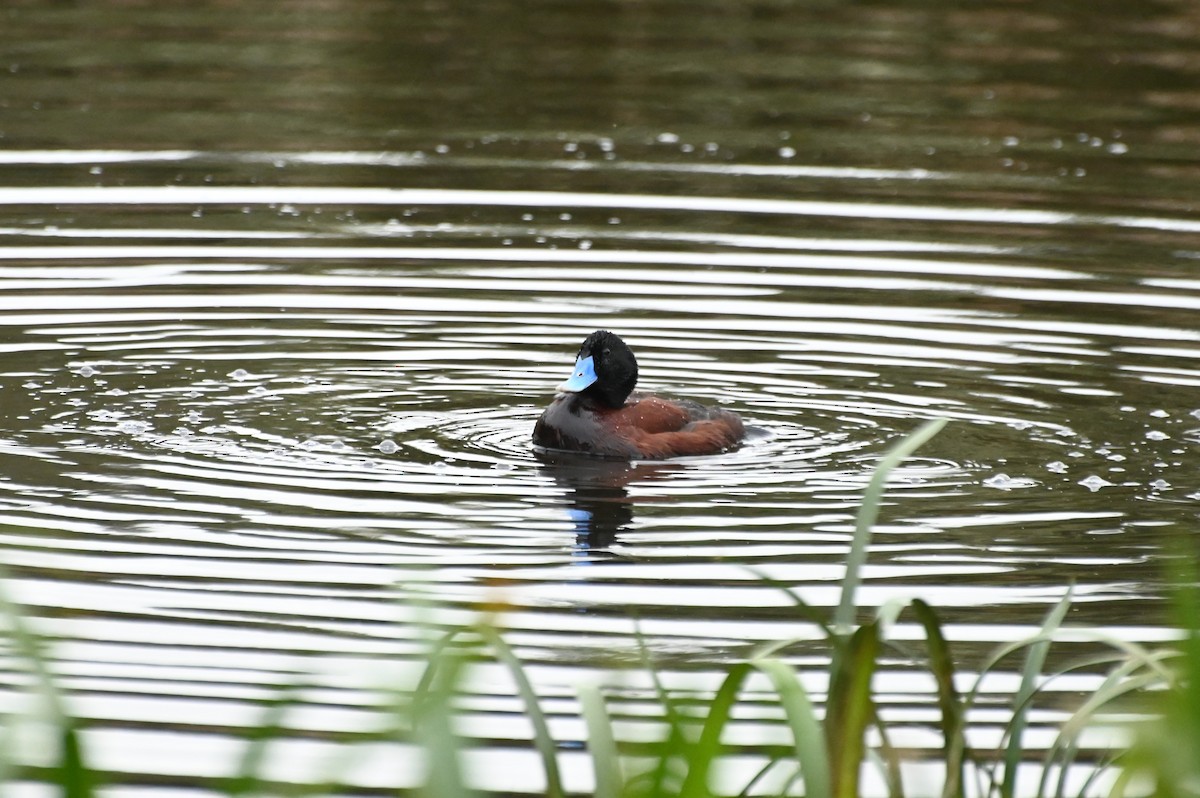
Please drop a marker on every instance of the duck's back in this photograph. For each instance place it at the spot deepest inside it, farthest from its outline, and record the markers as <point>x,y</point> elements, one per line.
<point>646,426</point>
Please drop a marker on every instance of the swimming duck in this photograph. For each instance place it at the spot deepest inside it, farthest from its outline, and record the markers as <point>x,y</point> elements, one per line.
<point>597,412</point>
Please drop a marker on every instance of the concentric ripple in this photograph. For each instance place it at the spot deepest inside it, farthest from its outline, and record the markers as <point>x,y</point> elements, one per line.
<point>262,446</point>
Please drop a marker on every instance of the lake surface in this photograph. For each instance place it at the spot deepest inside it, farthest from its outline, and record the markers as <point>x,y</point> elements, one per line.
<point>284,288</point>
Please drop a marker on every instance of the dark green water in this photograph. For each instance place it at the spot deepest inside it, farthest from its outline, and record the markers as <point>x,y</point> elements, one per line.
<point>283,288</point>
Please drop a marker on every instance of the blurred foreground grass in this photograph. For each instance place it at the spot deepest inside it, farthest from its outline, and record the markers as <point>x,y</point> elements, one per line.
<point>828,753</point>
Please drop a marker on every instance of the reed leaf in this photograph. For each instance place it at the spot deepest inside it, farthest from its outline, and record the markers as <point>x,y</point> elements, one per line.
<point>1035,660</point>
<point>808,738</point>
<point>888,756</point>
<point>434,720</point>
<point>601,743</point>
<point>676,742</point>
<point>1129,677</point>
<point>941,664</point>
<point>249,778</point>
<point>71,770</point>
<point>437,654</point>
<point>546,746</point>
<point>707,748</point>
<point>848,710</point>
<point>867,515</point>
<point>74,776</point>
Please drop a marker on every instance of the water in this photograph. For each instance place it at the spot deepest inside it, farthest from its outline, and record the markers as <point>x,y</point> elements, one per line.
<point>283,294</point>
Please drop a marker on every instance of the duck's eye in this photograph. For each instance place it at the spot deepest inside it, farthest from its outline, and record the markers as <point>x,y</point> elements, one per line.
<point>607,351</point>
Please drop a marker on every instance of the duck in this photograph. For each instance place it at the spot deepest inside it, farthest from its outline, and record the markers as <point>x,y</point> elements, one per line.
<point>597,412</point>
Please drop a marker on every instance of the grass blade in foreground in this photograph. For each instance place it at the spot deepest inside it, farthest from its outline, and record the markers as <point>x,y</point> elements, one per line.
<point>1035,660</point>
<point>942,665</point>
<point>533,709</point>
<point>250,778</point>
<point>844,619</point>
<point>706,750</point>
<point>807,736</point>
<point>445,774</point>
<point>849,709</point>
<point>602,745</point>
<point>70,772</point>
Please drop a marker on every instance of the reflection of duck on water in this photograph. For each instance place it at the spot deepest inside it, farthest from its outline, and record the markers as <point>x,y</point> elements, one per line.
<point>596,489</point>
<point>597,412</point>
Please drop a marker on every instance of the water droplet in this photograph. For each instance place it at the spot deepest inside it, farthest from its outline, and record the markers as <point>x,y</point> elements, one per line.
<point>1156,435</point>
<point>1005,482</point>
<point>387,446</point>
<point>239,374</point>
<point>667,138</point>
<point>1094,483</point>
<point>1057,467</point>
<point>1160,484</point>
<point>86,371</point>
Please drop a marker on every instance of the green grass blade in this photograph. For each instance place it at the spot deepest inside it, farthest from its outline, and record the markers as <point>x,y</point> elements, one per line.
<point>71,770</point>
<point>1035,660</point>
<point>867,515</point>
<point>1129,677</point>
<point>676,742</point>
<point>75,778</point>
<point>436,655</point>
<point>954,742</point>
<point>749,788</point>
<point>434,726</point>
<point>7,735</point>
<point>249,776</point>
<point>602,745</point>
<point>708,747</point>
<point>807,736</point>
<point>849,710</point>
<point>546,746</point>
<point>888,756</point>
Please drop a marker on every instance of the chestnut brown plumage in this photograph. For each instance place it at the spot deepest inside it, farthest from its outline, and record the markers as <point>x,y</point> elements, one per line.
<point>596,412</point>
